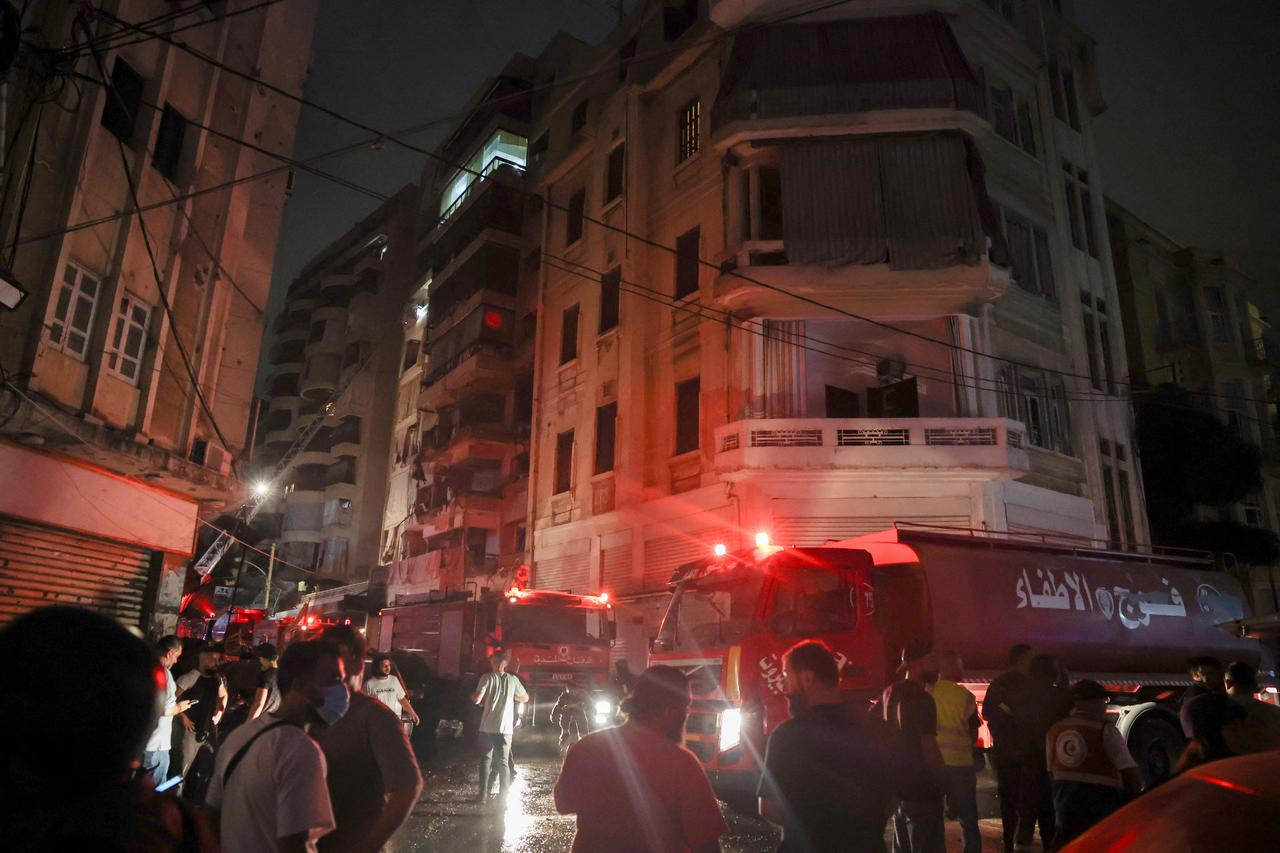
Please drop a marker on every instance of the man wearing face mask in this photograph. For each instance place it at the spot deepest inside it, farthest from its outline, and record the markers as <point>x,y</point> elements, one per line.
<point>269,780</point>
<point>827,773</point>
<point>635,788</point>
<point>910,711</point>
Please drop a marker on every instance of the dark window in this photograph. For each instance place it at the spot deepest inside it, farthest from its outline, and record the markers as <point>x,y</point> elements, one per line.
<point>1003,113</point>
<point>411,348</point>
<point>317,331</point>
<point>687,415</point>
<point>569,335</point>
<point>564,462</point>
<point>538,149</point>
<point>1086,209</point>
<point>841,402</point>
<point>573,222</point>
<point>770,204</point>
<point>610,292</point>
<point>1104,343</point>
<point>625,56</point>
<point>677,17</point>
<point>812,601</point>
<point>1055,91</point>
<point>1026,128</point>
<point>579,118</point>
<point>1018,235</point>
<point>1090,340</point>
<point>1069,95</point>
<point>168,151</point>
<point>1044,263</point>
<point>615,174</point>
<point>689,127</point>
<point>606,431</point>
<point>120,111</point>
<point>1072,189</point>
<point>687,262</point>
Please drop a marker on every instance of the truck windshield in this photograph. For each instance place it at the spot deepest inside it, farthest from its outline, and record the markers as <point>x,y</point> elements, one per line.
<point>542,623</point>
<point>713,610</point>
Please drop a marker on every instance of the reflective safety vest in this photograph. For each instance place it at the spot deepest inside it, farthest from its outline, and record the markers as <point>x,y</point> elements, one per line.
<point>1076,753</point>
<point>956,706</point>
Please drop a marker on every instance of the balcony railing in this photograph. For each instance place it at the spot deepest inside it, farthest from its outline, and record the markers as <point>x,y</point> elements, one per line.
<point>495,162</point>
<point>934,443</point>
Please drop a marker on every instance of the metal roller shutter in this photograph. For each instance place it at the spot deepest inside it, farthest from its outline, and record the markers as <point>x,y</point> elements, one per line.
<point>665,554</point>
<point>814,530</point>
<point>41,566</point>
<point>615,567</point>
<point>571,573</point>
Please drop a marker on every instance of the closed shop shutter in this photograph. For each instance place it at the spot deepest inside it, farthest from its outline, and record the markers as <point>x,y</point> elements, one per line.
<point>42,566</point>
<point>665,554</point>
<point>814,530</point>
<point>616,569</point>
<point>570,573</point>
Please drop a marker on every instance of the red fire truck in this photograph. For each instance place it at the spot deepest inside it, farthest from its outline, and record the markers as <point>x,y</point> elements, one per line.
<point>1128,620</point>
<point>557,638</point>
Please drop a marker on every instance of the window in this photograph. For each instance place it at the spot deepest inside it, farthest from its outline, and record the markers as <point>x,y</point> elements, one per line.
<point>564,462</point>
<point>1233,405</point>
<point>615,173</point>
<point>1126,504</point>
<point>1218,323</point>
<point>687,262</point>
<point>569,334</point>
<point>1006,399</point>
<point>578,120</point>
<point>625,55</point>
<point>812,601</point>
<point>317,331</point>
<point>1062,87</point>
<point>124,352</point>
<point>573,220</point>
<point>1109,493</point>
<point>1031,409</point>
<point>1252,515</point>
<point>1029,255</point>
<point>689,130</point>
<point>677,17</point>
<point>1004,116</point>
<point>770,214</point>
<point>167,156</point>
<point>1104,345</point>
<point>1059,419</point>
<point>1080,209</point>
<point>1090,340</point>
<point>503,148</point>
<point>120,109</point>
<point>687,415</point>
<point>73,314</point>
<point>841,402</point>
<point>606,432</point>
<point>1026,128</point>
<point>610,294</point>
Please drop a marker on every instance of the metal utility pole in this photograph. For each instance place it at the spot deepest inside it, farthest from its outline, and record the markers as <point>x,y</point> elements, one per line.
<point>271,567</point>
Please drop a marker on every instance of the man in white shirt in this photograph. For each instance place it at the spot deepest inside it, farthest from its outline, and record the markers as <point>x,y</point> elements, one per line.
<point>385,686</point>
<point>268,786</point>
<point>496,694</point>
<point>156,757</point>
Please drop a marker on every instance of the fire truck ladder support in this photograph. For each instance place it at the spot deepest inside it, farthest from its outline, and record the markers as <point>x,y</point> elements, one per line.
<point>249,509</point>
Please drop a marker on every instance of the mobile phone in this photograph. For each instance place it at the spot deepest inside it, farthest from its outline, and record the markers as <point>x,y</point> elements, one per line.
<point>164,786</point>
<point>193,702</point>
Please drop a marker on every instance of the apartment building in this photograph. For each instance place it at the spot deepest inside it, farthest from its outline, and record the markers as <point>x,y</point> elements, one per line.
<point>1189,319</point>
<point>817,274</point>
<point>127,406</point>
<point>338,356</point>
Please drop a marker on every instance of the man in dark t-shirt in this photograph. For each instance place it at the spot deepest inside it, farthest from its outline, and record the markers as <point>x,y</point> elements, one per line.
<point>909,710</point>
<point>827,772</point>
<point>266,696</point>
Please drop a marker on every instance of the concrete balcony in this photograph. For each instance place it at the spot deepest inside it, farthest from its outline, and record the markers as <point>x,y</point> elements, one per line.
<point>483,368</point>
<point>278,439</point>
<point>321,378</point>
<point>473,444</point>
<point>463,512</point>
<point>871,448</point>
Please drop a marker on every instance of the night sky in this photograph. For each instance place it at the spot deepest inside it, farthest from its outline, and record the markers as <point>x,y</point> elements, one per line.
<point>1190,140</point>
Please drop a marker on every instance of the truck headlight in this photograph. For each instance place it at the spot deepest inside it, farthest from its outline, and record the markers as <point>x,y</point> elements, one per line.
<point>730,728</point>
<point>604,706</point>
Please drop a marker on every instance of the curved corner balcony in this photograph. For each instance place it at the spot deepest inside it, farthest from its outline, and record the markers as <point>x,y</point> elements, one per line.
<point>321,378</point>
<point>873,448</point>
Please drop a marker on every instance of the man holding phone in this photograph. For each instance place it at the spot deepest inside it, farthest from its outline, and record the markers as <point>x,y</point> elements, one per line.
<point>156,757</point>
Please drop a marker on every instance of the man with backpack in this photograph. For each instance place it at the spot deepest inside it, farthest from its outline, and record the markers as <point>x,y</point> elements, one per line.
<point>268,784</point>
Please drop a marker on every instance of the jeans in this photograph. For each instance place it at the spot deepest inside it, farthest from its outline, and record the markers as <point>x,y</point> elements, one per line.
<point>917,828</point>
<point>157,763</point>
<point>962,793</point>
<point>573,725</point>
<point>495,755</point>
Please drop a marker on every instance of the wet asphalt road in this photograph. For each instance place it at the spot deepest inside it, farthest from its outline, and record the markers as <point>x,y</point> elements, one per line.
<point>447,819</point>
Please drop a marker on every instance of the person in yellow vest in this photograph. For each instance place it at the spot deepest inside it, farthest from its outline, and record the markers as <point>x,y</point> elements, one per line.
<point>957,730</point>
<point>1089,761</point>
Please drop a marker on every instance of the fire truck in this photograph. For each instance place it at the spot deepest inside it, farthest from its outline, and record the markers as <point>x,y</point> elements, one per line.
<point>556,638</point>
<point>1128,620</point>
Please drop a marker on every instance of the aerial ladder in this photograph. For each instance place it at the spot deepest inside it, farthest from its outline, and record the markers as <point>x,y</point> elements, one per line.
<point>262,492</point>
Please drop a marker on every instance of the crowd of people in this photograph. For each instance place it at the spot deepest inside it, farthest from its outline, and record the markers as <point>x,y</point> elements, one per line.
<point>313,756</point>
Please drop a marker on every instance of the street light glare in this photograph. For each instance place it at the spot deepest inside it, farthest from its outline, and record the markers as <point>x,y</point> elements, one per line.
<point>261,489</point>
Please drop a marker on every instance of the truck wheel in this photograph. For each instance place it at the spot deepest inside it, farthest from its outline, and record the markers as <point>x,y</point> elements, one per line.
<point>1155,746</point>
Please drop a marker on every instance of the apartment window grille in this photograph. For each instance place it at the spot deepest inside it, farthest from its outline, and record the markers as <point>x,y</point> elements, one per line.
<point>120,107</point>
<point>569,334</point>
<point>687,262</point>
<point>167,156</point>
<point>689,128</point>
<point>128,339</point>
<point>564,462</point>
<point>615,173</point>
<point>74,311</point>
<point>688,415</point>
<point>610,299</point>
<point>574,217</point>
<point>606,434</point>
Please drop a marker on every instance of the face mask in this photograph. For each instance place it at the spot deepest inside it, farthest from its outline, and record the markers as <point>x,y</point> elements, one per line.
<point>336,700</point>
<point>796,702</point>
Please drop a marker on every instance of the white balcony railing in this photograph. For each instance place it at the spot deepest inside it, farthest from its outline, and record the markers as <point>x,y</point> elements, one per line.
<point>873,443</point>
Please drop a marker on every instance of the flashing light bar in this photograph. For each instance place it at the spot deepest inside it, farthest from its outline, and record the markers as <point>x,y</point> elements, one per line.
<point>762,539</point>
<point>720,549</point>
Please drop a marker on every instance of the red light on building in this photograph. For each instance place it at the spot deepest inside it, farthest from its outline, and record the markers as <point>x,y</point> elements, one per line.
<point>493,319</point>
